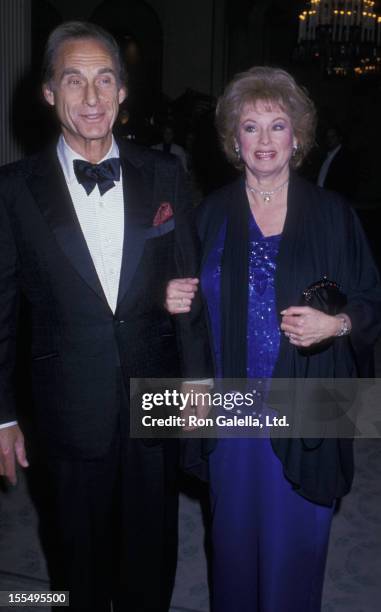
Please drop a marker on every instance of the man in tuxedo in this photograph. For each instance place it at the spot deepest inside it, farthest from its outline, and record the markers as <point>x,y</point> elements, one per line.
<point>90,233</point>
<point>337,171</point>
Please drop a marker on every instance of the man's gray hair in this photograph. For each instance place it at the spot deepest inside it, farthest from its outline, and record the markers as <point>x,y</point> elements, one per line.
<point>71,30</point>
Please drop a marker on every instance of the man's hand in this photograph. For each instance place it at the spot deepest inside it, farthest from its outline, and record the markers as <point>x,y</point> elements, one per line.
<point>12,448</point>
<point>180,293</point>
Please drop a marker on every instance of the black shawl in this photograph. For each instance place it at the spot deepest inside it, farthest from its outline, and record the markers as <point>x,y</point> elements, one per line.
<point>321,236</point>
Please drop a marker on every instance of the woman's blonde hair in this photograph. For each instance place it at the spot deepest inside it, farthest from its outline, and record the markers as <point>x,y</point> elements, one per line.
<point>272,86</point>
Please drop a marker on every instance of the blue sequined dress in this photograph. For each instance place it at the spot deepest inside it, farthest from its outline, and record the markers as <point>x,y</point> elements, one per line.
<point>266,539</point>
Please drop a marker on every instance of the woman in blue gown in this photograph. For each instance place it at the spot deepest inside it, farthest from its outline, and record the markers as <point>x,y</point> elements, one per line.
<point>265,238</point>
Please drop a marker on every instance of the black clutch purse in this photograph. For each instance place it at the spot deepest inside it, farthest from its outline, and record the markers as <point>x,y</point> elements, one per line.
<point>324,295</point>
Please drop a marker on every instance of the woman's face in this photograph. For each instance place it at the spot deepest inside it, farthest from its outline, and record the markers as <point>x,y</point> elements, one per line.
<point>266,140</point>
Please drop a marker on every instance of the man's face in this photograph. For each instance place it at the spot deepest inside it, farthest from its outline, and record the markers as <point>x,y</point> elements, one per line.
<point>168,135</point>
<point>332,139</point>
<point>85,92</point>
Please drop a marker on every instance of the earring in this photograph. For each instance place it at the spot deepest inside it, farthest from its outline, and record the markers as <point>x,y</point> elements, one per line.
<point>237,150</point>
<point>294,150</point>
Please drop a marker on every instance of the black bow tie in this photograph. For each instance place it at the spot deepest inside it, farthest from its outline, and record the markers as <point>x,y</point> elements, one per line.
<point>103,174</point>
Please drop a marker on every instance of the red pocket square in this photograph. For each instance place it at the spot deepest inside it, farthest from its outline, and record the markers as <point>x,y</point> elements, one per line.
<point>164,213</point>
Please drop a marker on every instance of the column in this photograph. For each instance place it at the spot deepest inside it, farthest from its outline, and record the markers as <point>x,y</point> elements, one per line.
<point>15,50</point>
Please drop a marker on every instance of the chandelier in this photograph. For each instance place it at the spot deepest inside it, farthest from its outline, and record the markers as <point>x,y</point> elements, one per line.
<point>343,35</point>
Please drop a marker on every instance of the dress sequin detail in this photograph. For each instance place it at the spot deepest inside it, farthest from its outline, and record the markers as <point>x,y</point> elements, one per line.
<point>263,333</point>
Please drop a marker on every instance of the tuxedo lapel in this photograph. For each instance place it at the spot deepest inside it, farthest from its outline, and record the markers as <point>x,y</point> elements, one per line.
<point>137,208</point>
<point>48,187</point>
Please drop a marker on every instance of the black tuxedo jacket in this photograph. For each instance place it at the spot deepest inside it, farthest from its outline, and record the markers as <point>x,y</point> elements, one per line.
<point>82,353</point>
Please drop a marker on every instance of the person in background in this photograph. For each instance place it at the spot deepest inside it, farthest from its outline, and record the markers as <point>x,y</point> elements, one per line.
<point>122,129</point>
<point>265,238</point>
<point>90,232</point>
<point>169,146</point>
<point>338,171</point>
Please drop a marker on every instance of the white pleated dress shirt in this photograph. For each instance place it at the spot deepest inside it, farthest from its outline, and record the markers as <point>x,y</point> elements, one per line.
<point>101,218</point>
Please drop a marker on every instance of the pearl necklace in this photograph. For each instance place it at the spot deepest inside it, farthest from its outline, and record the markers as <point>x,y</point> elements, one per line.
<point>267,195</point>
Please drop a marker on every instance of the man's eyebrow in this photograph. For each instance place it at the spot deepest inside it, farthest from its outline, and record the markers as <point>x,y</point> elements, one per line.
<point>69,71</point>
<point>106,71</point>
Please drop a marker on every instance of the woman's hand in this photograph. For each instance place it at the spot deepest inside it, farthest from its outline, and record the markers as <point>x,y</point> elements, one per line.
<point>305,326</point>
<point>179,295</point>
